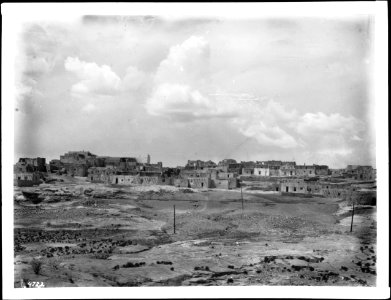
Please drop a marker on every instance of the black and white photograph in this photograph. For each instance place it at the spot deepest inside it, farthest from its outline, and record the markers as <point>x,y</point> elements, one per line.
<point>152,146</point>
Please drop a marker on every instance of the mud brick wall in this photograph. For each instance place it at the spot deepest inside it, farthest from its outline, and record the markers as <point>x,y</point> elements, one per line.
<point>225,175</point>
<point>181,182</point>
<point>262,171</point>
<point>200,182</point>
<point>305,171</point>
<point>76,170</point>
<point>293,186</point>
<point>26,179</point>
<point>247,171</point>
<point>147,180</point>
<point>124,179</point>
<point>334,193</point>
<point>226,184</point>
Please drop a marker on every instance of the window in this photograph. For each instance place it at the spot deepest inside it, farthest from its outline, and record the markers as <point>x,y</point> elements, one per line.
<point>294,189</point>
<point>259,172</point>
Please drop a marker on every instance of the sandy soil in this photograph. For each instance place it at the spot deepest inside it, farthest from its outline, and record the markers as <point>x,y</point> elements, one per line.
<point>85,234</point>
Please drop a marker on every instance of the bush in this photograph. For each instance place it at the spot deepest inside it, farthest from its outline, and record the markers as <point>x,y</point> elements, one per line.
<point>36,265</point>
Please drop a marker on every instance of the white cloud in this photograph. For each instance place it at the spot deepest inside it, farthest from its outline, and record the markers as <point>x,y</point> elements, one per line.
<point>320,123</point>
<point>180,93</point>
<point>181,84</point>
<point>266,121</point>
<point>134,79</point>
<point>94,80</point>
<point>181,102</point>
<point>268,135</point>
<point>89,108</point>
<point>331,138</point>
<point>187,63</point>
<point>179,81</point>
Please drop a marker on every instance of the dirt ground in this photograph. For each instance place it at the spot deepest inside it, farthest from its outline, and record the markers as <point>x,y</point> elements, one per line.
<point>84,234</point>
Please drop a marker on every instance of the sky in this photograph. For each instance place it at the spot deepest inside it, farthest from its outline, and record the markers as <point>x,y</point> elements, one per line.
<point>197,88</point>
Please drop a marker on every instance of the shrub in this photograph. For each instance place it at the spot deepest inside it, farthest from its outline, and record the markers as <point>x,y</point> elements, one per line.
<point>36,265</point>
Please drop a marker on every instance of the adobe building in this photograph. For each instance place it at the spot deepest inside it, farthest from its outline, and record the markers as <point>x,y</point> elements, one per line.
<point>293,186</point>
<point>134,180</point>
<point>54,165</point>
<point>315,187</point>
<point>194,165</point>
<point>23,179</point>
<point>101,174</point>
<point>357,172</point>
<point>78,157</point>
<point>199,182</point>
<point>79,170</point>
<point>335,190</point>
<point>231,168</point>
<point>287,170</point>
<point>226,184</point>
<point>181,182</point>
<point>76,163</point>
<point>226,175</point>
<point>248,171</point>
<point>227,161</point>
<point>31,165</point>
<point>248,164</point>
<point>305,171</point>
<point>321,170</point>
<point>207,178</point>
<point>262,170</point>
<point>274,171</point>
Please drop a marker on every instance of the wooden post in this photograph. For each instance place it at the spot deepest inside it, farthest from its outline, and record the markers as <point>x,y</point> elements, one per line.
<point>241,194</point>
<point>351,225</point>
<point>174,219</point>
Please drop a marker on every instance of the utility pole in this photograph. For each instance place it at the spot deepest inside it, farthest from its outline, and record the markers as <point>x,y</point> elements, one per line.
<point>174,219</point>
<point>351,225</point>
